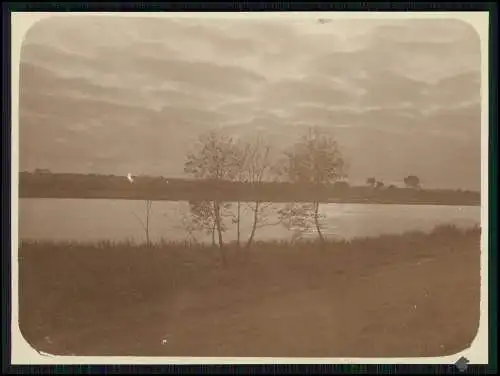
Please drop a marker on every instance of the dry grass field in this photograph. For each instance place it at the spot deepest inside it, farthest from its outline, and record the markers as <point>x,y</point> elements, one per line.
<point>408,295</point>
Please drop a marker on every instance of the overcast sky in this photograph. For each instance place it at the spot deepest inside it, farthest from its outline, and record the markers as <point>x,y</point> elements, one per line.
<point>118,95</point>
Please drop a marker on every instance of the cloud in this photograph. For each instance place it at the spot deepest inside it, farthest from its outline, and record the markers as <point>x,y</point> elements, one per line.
<point>126,69</point>
<point>463,87</point>
<point>309,89</point>
<point>354,117</point>
<point>133,93</point>
<point>201,75</point>
<point>386,88</point>
<point>35,79</point>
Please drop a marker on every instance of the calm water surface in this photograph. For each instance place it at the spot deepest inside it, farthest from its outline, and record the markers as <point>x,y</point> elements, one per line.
<point>90,220</point>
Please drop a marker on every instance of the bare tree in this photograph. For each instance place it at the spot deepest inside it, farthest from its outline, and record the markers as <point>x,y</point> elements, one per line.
<point>203,218</point>
<point>254,169</point>
<point>314,160</point>
<point>298,218</point>
<point>190,227</point>
<point>214,158</point>
<point>242,154</point>
<point>145,223</point>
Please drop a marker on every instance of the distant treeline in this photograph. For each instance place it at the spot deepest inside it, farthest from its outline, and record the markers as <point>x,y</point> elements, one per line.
<point>43,184</point>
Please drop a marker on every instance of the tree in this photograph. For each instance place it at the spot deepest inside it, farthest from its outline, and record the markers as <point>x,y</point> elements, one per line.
<point>379,185</point>
<point>412,181</point>
<point>371,182</point>
<point>203,218</point>
<point>298,218</point>
<point>190,226</point>
<point>314,160</point>
<point>215,158</point>
<point>146,222</point>
<point>254,168</point>
<point>242,154</point>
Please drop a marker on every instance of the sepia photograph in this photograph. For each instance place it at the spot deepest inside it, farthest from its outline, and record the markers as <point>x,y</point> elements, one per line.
<point>278,187</point>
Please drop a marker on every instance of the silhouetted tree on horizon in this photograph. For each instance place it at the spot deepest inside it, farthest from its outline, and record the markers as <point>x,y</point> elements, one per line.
<point>371,182</point>
<point>412,181</point>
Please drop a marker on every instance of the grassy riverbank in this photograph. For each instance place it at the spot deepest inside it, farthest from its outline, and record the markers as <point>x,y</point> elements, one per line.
<point>407,295</point>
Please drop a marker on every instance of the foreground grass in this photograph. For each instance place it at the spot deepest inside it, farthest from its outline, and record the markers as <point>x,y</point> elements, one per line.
<point>413,294</point>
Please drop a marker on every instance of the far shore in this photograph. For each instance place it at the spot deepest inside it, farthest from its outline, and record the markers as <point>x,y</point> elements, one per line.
<point>79,186</point>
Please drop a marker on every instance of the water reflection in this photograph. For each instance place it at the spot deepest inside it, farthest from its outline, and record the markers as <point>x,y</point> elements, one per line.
<point>89,220</point>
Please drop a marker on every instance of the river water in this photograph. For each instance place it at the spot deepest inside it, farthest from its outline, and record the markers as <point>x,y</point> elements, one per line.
<point>117,220</point>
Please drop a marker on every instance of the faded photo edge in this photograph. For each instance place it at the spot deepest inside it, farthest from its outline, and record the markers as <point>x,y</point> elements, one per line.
<point>23,353</point>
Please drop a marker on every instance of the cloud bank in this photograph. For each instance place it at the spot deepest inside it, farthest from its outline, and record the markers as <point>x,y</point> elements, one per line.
<point>113,95</point>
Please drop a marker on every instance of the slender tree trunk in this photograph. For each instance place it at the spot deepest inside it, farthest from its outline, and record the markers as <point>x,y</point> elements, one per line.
<point>148,211</point>
<point>218,223</point>
<point>316,221</point>
<point>213,234</point>
<point>238,226</point>
<point>254,226</point>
